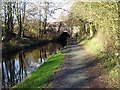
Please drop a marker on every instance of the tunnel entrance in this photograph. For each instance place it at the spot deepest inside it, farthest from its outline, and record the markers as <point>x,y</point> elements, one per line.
<point>63,38</point>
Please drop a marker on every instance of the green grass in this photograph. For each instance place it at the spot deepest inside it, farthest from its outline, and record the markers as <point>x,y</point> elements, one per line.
<point>93,45</point>
<point>40,77</point>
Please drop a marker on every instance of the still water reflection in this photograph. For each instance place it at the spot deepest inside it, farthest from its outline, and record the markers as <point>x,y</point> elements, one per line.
<point>16,68</point>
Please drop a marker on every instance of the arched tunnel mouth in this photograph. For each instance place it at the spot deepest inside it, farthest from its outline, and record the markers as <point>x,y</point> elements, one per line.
<point>63,38</point>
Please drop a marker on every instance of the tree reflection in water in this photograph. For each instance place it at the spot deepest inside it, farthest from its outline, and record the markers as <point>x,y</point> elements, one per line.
<point>16,68</point>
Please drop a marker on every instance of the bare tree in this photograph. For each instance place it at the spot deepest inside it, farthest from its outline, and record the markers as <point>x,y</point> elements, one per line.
<point>20,13</point>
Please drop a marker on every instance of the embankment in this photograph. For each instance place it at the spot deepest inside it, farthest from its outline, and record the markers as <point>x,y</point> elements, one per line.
<point>40,77</point>
<point>21,44</point>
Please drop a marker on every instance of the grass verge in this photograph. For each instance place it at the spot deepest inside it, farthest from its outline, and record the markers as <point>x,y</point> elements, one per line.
<point>93,45</point>
<point>40,77</point>
<point>107,63</point>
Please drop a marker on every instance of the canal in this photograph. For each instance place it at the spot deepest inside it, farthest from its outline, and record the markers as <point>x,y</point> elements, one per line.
<point>15,68</point>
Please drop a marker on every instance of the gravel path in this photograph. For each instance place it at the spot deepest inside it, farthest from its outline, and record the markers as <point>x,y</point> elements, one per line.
<point>74,72</point>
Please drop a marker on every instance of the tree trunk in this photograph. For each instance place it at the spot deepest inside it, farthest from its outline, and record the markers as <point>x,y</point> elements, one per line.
<point>91,32</point>
<point>20,27</point>
<point>59,27</point>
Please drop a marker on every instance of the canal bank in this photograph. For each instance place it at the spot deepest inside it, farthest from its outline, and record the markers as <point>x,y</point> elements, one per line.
<point>16,67</point>
<point>40,77</point>
<point>21,44</point>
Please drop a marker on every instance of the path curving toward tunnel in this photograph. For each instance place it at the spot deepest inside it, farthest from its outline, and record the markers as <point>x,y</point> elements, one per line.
<point>74,72</point>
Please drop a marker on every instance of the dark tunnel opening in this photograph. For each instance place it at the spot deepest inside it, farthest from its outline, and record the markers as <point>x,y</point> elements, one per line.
<point>63,38</point>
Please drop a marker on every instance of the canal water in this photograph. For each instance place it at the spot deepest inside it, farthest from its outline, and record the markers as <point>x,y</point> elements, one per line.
<point>15,68</point>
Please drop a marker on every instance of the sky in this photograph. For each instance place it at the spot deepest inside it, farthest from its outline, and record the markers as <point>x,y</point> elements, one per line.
<point>65,4</point>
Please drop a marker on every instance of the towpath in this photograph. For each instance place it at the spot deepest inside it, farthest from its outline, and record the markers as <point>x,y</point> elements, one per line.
<point>74,72</point>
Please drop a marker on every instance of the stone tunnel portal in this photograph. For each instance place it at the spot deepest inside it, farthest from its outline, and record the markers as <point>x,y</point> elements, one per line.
<point>63,38</point>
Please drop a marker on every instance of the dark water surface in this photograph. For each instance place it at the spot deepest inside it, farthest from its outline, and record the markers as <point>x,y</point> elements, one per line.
<point>15,68</point>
